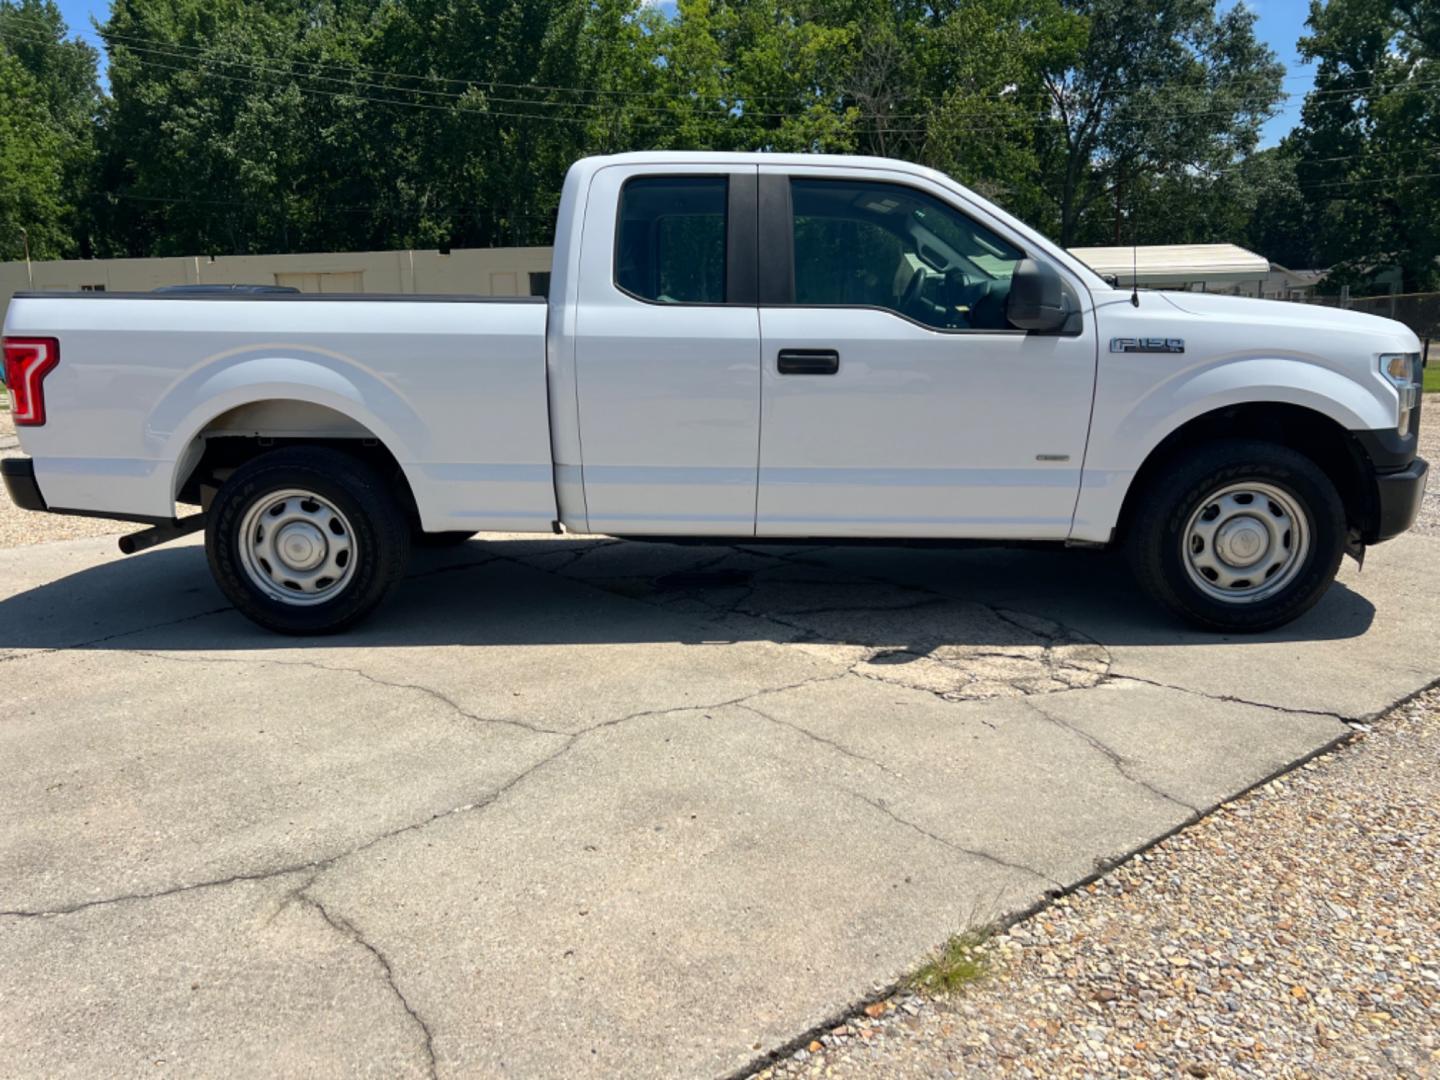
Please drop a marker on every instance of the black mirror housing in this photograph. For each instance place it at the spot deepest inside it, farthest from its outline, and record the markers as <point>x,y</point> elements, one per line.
<point>1037,298</point>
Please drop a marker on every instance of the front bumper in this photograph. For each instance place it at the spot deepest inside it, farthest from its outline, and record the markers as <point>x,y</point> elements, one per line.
<point>19,474</point>
<point>1398,496</point>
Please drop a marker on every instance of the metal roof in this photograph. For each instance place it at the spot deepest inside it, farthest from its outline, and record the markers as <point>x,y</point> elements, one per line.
<point>1175,264</point>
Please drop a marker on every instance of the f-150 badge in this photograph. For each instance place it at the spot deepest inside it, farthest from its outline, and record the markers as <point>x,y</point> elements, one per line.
<point>1147,344</point>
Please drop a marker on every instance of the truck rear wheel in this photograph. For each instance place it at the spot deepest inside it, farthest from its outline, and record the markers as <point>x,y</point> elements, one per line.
<point>306,540</point>
<point>1239,536</point>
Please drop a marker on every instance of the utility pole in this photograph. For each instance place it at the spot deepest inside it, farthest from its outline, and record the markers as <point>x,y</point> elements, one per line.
<point>29,273</point>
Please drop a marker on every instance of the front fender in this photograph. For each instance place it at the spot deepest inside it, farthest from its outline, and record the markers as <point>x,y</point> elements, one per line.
<point>1177,401</point>
<point>1126,429</point>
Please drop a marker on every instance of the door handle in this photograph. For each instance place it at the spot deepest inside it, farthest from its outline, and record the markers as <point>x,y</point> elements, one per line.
<point>808,362</point>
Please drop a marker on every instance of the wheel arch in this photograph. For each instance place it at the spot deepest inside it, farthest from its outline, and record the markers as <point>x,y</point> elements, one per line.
<point>243,432</point>
<point>1307,431</point>
<point>255,399</point>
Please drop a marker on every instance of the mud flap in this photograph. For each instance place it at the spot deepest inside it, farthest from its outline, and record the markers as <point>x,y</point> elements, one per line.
<point>1355,548</point>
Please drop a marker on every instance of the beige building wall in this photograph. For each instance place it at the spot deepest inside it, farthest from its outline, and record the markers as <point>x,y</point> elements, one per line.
<point>469,271</point>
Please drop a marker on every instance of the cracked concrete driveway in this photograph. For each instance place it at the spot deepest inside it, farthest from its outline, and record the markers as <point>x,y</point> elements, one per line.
<point>575,807</point>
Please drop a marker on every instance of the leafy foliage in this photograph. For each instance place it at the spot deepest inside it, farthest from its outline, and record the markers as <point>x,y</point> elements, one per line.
<point>49,105</point>
<point>1368,148</point>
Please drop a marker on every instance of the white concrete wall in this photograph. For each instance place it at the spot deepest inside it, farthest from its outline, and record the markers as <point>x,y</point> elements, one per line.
<point>471,271</point>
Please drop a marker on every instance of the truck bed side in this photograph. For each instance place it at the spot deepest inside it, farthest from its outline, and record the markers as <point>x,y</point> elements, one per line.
<point>452,387</point>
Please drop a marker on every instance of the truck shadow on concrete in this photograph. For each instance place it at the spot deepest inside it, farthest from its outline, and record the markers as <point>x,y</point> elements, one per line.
<point>952,617</point>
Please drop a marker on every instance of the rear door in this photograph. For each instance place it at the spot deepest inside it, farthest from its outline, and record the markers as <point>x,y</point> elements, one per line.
<point>897,398</point>
<point>668,351</point>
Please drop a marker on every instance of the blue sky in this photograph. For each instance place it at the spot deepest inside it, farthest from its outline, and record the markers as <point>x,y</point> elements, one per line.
<point>1281,22</point>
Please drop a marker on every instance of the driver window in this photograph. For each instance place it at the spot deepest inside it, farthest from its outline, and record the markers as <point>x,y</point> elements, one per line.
<point>868,244</point>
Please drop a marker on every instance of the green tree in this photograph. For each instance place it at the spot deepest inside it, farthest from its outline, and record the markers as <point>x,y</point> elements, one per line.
<point>985,65</point>
<point>268,125</point>
<point>50,85</point>
<point>1162,88</point>
<point>247,126</point>
<point>1278,221</point>
<point>1369,139</point>
<point>32,196</point>
<point>747,75</point>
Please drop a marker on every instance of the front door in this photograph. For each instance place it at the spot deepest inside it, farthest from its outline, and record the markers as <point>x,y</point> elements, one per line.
<point>896,398</point>
<point>668,352</point>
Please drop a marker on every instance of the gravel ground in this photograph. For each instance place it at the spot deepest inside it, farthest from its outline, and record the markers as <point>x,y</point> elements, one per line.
<point>1294,933</point>
<point>19,527</point>
<point>1429,521</point>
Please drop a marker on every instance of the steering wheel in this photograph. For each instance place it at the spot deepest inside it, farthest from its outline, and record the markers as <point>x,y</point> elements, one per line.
<point>912,290</point>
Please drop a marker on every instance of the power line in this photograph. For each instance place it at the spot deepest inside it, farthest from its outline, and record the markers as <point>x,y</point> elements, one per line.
<point>458,104</point>
<point>180,51</point>
<point>721,109</point>
<point>177,50</point>
<point>482,109</point>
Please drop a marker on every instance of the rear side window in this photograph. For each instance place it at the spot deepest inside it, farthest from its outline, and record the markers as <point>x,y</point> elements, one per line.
<point>670,240</point>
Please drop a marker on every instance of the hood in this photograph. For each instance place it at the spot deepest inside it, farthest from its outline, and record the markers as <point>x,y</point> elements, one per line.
<point>1286,312</point>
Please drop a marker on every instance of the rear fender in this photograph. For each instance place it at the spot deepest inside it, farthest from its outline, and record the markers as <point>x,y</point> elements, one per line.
<point>254,375</point>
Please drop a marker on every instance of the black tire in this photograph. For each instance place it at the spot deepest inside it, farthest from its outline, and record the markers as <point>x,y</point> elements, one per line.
<point>1155,542</point>
<point>380,541</point>
<point>439,539</point>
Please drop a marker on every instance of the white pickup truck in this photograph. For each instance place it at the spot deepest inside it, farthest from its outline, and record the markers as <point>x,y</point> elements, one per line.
<point>766,347</point>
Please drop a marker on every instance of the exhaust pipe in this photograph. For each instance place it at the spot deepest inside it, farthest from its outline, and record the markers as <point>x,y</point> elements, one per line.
<point>161,534</point>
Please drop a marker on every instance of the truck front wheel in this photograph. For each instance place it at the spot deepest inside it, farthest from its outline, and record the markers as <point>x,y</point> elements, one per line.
<point>1239,536</point>
<point>306,540</point>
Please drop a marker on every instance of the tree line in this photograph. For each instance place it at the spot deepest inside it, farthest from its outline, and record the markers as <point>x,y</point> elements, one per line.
<point>241,126</point>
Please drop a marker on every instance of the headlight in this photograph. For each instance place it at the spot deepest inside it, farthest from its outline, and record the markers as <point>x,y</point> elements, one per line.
<point>1403,372</point>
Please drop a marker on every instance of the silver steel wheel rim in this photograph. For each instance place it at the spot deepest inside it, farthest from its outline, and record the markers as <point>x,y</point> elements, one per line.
<point>1245,542</point>
<point>297,547</point>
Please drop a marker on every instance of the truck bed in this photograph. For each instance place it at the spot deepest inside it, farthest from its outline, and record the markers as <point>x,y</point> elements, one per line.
<point>453,386</point>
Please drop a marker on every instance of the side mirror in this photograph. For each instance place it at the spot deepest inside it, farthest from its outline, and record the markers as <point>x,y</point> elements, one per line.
<point>1037,298</point>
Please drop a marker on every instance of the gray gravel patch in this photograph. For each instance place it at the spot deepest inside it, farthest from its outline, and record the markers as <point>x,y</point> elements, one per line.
<point>20,527</point>
<point>1296,932</point>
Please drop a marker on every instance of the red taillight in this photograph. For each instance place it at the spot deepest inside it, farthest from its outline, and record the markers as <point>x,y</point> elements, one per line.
<point>27,362</point>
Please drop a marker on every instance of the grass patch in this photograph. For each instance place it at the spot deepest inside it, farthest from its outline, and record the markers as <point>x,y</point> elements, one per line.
<point>1432,374</point>
<point>960,962</point>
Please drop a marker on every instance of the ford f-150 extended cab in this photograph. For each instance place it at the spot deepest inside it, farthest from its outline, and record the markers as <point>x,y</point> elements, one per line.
<point>766,347</point>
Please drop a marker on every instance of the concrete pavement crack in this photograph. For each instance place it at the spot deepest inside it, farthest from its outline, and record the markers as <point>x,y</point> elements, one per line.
<point>801,632</point>
<point>842,609</point>
<point>581,550</point>
<point>974,853</point>
<point>360,673</point>
<point>485,801</point>
<point>1007,617</point>
<point>317,865</point>
<point>838,747</point>
<point>346,928</point>
<point>161,625</point>
<point>1117,760</point>
<point>1231,698</point>
<point>175,890</point>
<point>115,637</point>
<point>704,706</point>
